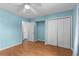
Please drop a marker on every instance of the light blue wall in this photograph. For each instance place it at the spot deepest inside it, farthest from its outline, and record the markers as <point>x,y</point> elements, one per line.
<point>76,38</point>
<point>10,29</point>
<point>40,30</point>
<point>73,25</point>
<point>52,16</point>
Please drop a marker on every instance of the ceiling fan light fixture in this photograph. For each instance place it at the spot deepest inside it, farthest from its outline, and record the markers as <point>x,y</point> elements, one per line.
<point>27,6</point>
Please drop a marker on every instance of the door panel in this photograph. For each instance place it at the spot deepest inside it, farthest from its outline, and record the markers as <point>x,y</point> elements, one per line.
<point>52,32</point>
<point>64,32</point>
<point>31,31</point>
<point>67,31</point>
<point>28,30</point>
<point>60,32</point>
<point>25,28</point>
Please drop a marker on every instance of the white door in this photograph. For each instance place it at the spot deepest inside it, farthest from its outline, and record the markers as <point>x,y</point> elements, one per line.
<point>52,32</point>
<point>64,27</point>
<point>60,33</point>
<point>67,31</point>
<point>25,27</point>
<point>28,30</point>
<point>31,31</point>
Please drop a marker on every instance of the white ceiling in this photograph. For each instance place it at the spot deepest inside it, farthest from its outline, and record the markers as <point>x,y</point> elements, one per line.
<point>44,9</point>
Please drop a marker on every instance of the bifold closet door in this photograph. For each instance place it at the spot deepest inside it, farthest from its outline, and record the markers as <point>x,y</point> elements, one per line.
<point>60,33</point>
<point>67,32</point>
<point>64,32</point>
<point>52,32</point>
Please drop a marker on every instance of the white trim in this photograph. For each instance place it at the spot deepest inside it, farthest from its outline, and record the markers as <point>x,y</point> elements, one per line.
<point>32,40</point>
<point>58,18</point>
<point>40,40</point>
<point>46,34</point>
<point>71,34</point>
<point>11,46</point>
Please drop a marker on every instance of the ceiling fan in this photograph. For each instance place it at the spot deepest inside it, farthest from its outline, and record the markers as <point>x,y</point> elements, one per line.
<point>23,7</point>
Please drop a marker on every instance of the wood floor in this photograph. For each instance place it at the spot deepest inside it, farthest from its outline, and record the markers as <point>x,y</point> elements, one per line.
<point>29,48</point>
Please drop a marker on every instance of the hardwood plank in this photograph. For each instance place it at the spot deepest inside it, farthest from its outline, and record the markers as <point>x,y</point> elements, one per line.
<point>29,48</point>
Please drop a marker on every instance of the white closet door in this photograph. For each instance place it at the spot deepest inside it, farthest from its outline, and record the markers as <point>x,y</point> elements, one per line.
<point>64,32</point>
<point>60,35</point>
<point>67,31</point>
<point>58,32</point>
<point>52,32</point>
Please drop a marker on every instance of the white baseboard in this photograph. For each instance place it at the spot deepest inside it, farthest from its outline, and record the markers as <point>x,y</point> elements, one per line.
<point>40,40</point>
<point>10,46</point>
<point>72,49</point>
<point>32,40</point>
<point>46,43</point>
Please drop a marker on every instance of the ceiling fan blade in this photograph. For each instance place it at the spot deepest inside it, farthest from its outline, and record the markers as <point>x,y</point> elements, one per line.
<point>23,10</point>
<point>33,6</point>
<point>33,10</point>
